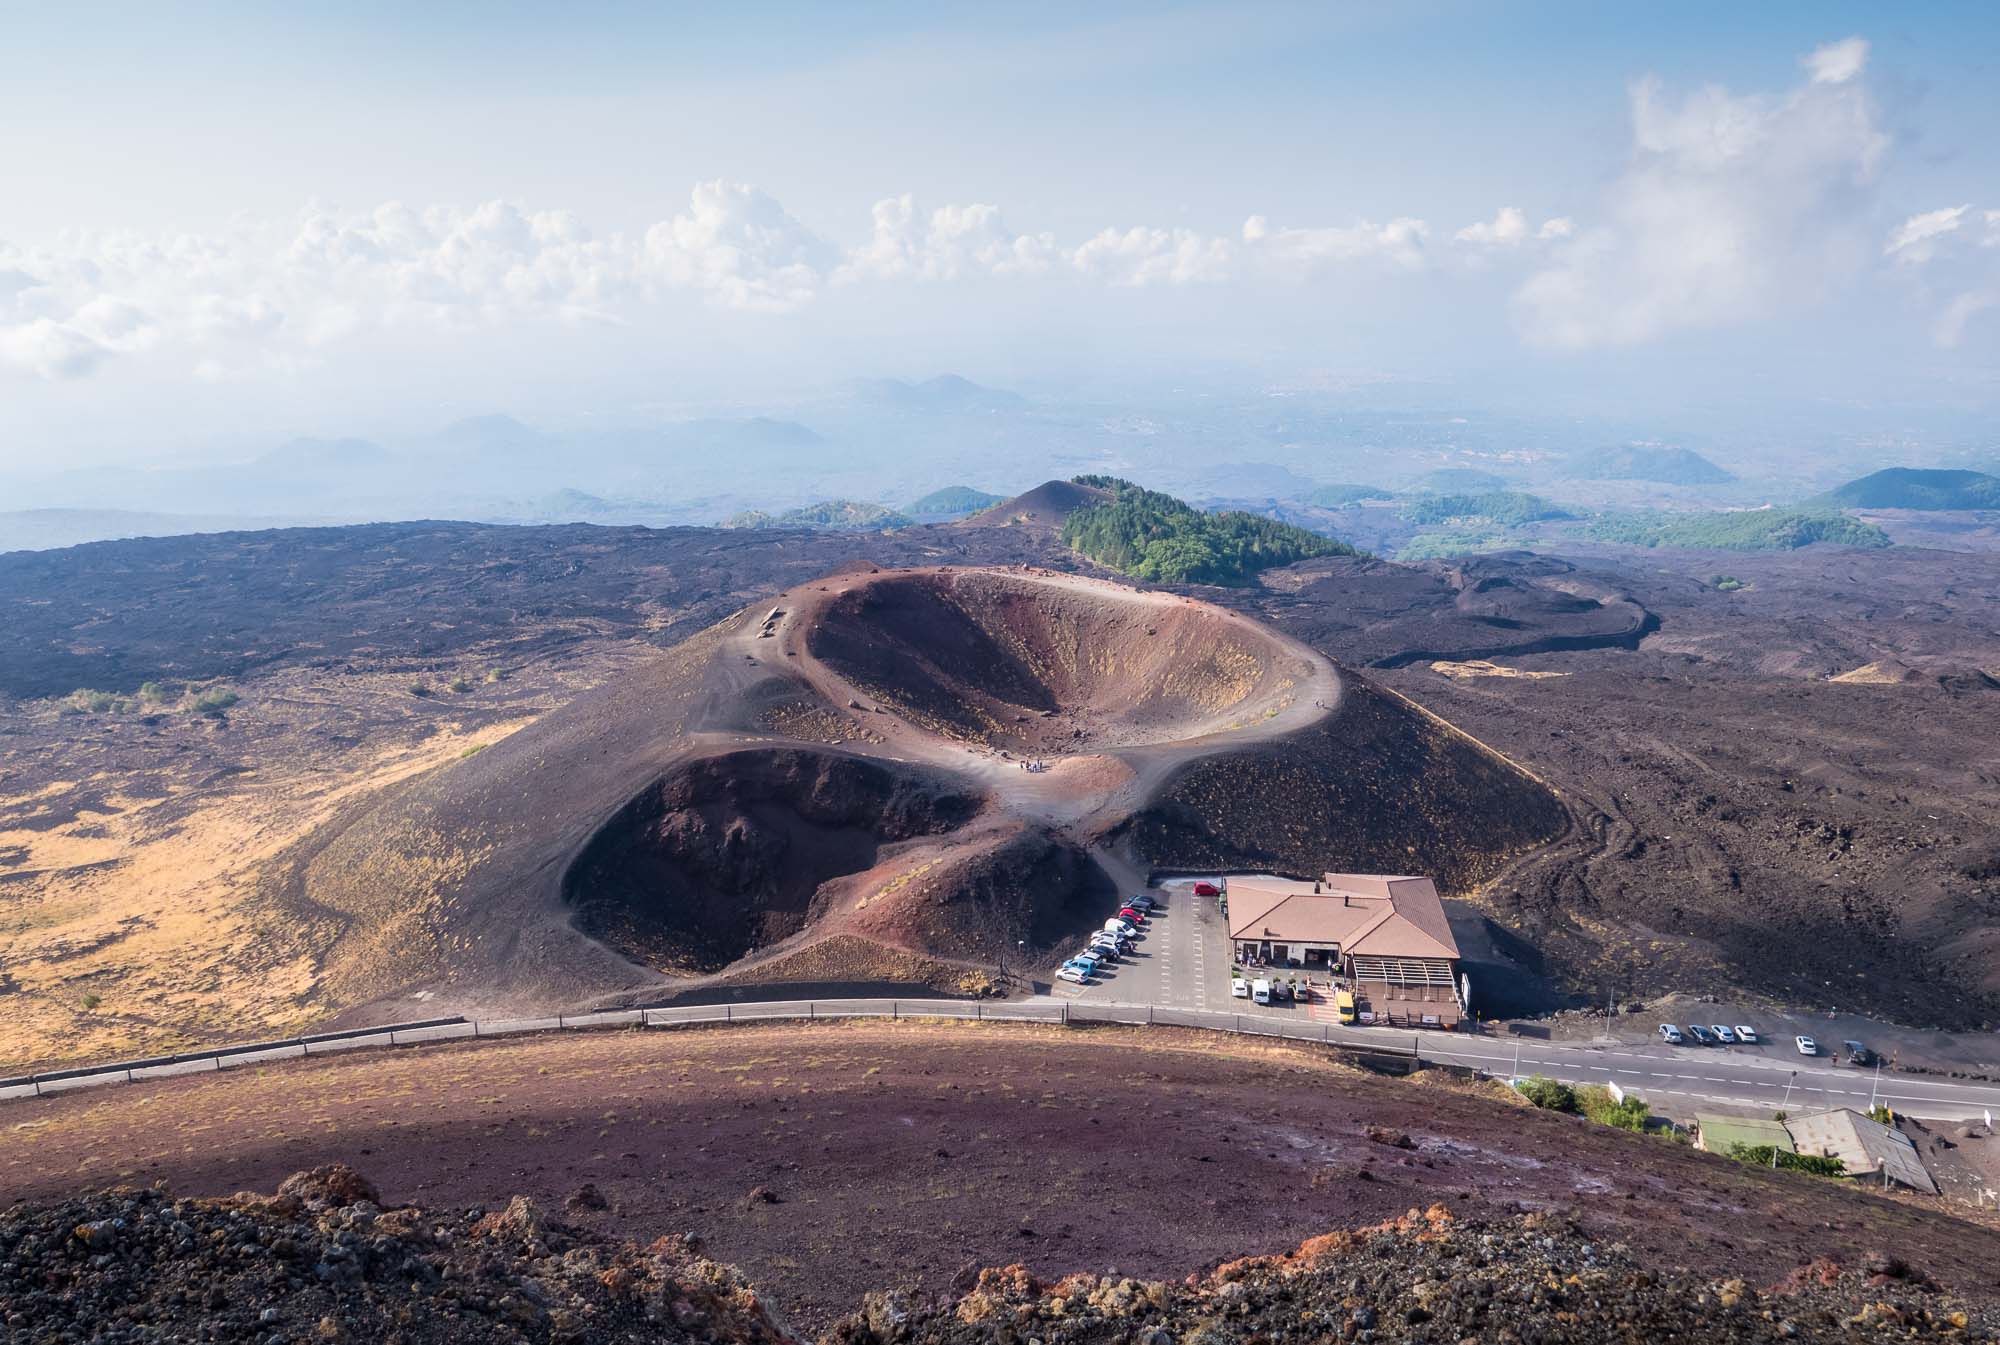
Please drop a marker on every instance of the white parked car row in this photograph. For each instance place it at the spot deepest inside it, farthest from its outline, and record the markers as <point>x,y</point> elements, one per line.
<point>1709,1034</point>
<point>1110,943</point>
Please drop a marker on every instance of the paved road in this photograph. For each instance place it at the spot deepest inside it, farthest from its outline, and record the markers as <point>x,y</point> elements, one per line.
<point>1183,962</point>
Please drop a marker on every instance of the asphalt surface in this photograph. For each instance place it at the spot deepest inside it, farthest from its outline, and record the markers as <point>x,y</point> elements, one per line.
<point>1183,962</point>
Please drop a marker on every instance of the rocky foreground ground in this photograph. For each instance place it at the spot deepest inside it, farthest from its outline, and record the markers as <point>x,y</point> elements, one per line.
<point>322,1260</point>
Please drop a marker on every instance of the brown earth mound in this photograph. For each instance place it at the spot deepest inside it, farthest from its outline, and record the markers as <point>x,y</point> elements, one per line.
<point>1042,509</point>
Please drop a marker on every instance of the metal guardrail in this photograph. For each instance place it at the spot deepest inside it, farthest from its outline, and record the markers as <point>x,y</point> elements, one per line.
<point>1368,1040</point>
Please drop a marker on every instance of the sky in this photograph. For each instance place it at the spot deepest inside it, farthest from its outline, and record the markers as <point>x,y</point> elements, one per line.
<point>231,223</point>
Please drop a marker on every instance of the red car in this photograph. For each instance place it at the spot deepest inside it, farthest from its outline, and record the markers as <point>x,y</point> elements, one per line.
<point>1207,890</point>
<point>1134,914</point>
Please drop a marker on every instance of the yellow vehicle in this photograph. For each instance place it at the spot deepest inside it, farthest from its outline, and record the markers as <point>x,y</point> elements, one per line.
<point>1343,1003</point>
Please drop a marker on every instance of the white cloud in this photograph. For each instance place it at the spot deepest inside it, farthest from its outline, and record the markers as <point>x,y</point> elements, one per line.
<point>1732,208</point>
<point>1505,229</point>
<point>737,244</point>
<point>1145,256</point>
<point>1837,62</point>
<point>1952,256</point>
<point>955,241</point>
<point>1400,243</point>
<point>1915,239</point>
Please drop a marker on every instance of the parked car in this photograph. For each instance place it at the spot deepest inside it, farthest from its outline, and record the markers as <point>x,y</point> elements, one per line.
<point>1701,1034</point>
<point>1857,1054</point>
<point>1806,1045</point>
<point>1260,991</point>
<point>1116,926</point>
<point>1142,901</point>
<point>1134,914</point>
<point>1104,948</point>
<point>1670,1034</point>
<point>1069,971</point>
<point>1723,1033</point>
<point>1207,890</point>
<point>1239,988</point>
<point>1747,1035</point>
<point>1089,961</point>
<point>1281,992</point>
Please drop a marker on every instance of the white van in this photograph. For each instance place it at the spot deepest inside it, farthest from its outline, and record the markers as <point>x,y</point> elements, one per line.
<point>1260,992</point>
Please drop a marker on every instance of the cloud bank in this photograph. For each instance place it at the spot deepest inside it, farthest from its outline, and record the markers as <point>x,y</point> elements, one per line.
<point>1731,209</point>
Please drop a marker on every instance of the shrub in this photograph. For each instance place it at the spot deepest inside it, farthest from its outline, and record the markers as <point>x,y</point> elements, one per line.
<point>91,1001</point>
<point>473,750</point>
<point>1548,1094</point>
<point>461,685</point>
<point>1769,1156</point>
<point>420,688</point>
<point>85,701</point>
<point>497,674</point>
<point>1601,1107</point>
<point>212,702</point>
<point>1727,583</point>
<point>155,692</point>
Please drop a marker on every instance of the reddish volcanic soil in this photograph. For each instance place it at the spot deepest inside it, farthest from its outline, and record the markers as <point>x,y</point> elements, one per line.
<point>907,1153</point>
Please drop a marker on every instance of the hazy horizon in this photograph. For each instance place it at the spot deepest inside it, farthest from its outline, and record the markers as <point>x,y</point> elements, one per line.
<point>644,217</point>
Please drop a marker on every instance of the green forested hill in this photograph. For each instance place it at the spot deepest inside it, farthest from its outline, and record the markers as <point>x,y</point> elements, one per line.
<point>1917,488</point>
<point>1153,536</point>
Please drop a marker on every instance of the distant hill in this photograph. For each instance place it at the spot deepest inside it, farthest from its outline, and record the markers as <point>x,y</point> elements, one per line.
<point>1506,507</point>
<point>1916,488</point>
<point>951,502</point>
<point>1048,505</point>
<point>946,392</point>
<point>1341,494</point>
<point>1153,536</point>
<point>1648,462</point>
<point>1742,530</point>
<point>828,515</point>
<point>1461,481</point>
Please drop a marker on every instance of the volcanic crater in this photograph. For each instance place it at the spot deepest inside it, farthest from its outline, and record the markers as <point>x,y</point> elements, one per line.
<point>900,775</point>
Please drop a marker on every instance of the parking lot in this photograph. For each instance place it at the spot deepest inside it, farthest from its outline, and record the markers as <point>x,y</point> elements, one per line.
<point>1181,960</point>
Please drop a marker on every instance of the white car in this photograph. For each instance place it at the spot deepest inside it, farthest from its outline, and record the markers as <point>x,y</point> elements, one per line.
<point>1723,1033</point>
<point>1260,992</point>
<point>1746,1035</point>
<point>1069,973</point>
<point>1670,1034</point>
<point>1806,1045</point>
<point>1239,988</point>
<point>1116,926</point>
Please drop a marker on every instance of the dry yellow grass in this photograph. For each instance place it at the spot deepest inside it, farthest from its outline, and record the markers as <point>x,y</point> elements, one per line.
<point>131,927</point>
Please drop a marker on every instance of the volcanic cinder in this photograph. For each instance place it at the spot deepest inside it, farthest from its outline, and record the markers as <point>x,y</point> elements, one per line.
<point>892,775</point>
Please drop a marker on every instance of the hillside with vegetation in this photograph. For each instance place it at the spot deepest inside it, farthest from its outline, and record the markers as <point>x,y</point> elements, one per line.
<point>1156,537</point>
<point>1649,462</point>
<point>1340,494</point>
<point>1503,508</point>
<point>1916,488</point>
<point>952,501</point>
<point>826,515</point>
<point>1742,530</point>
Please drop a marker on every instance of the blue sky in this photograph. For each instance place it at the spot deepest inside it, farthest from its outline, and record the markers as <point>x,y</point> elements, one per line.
<point>279,216</point>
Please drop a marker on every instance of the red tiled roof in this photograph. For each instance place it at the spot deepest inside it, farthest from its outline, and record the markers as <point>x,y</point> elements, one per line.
<point>1374,915</point>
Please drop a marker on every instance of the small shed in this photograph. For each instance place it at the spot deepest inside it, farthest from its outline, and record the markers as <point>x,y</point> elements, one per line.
<point>1865,1146</point>
<point>1717,1134</point>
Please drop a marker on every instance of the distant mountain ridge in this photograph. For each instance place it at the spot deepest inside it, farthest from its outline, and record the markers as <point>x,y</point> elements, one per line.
<point>1916,488</point>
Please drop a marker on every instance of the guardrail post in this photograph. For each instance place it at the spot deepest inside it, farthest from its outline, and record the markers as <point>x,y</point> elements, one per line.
<point>475,1023</point>
<point>812,1009</point>
<point>728,1013</point>
<point>1325,1032</point>
<point>979,1010</point>
<point>894,1011</point>
<point>1065,1013</point>
<point>560,1022</point>
<point>1149,1015</point>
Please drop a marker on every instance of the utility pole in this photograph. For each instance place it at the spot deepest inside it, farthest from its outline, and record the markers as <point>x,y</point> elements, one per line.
<point>1874,1093</point>
<point>1786,1105</point>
